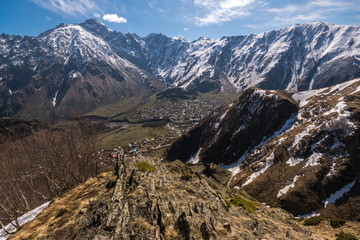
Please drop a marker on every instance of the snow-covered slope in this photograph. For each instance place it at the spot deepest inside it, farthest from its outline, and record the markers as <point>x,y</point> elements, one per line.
<point>10,228</point>
<point>299,57</point>
<point>294,150</point>
<point>67,71</point>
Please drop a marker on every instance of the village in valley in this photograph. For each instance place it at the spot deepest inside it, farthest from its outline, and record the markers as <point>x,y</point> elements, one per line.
<point>177,117</point>
<point>187,112</point>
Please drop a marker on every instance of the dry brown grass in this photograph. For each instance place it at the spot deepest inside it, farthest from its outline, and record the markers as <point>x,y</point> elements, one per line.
<point>64,211</point>
<point>324,229</point>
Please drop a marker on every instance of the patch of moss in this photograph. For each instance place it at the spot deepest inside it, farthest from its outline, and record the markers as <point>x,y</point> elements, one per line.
<point>345,236</point>
<point>145,166</point>
<point>249,205</point>
<point>335,222</point>
<point>228,203</point>
<point>186,176</point>
<point>214,208</point>
<point>313,221</point>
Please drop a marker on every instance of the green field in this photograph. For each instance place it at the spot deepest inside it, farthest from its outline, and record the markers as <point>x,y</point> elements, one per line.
<point>133,133</point>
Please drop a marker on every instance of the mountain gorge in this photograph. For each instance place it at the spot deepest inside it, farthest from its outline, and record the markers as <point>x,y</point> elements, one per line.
<point>299,151</point>
<point>75,68</point>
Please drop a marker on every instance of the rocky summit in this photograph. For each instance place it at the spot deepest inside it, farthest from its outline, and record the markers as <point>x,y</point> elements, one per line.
<point>295,150</point>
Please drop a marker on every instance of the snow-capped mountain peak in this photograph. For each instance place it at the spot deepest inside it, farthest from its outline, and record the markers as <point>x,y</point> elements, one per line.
<point>96,26</point>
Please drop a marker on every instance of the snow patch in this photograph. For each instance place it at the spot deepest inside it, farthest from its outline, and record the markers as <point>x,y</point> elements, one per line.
<point>21,220</point>
<point>264,93</point>
<point>74,74</point>
<point>302,134</point>
<point>220,119</point>
<point>54,99</point>
<point>313,160</point>
<point>332,168</point>
<point>356,90</point>
<point>342,86</point>
<point>303,97</point>
<point>293,161</point>
<point>338,194</point>
<point>194,159</point>
<point>309,215</point>
<point>234,168</point>
<point>285,189</point>
<point>263,167</point>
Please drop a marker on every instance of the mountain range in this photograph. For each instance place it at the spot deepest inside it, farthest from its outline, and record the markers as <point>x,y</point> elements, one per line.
<point>75,68</point>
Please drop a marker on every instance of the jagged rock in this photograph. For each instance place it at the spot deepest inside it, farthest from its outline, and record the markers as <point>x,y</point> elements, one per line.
<point>183,226</point>
<point>227,226</point>
<point>205,231</point>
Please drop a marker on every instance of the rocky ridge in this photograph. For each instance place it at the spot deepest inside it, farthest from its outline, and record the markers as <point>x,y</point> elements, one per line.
<point>304,157</point>
<point>149,199</point>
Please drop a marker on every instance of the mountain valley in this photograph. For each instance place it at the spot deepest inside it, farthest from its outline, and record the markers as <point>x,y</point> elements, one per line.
<point>119,136</point>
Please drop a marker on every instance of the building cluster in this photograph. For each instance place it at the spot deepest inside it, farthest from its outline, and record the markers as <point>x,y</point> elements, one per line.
<point>187,111</point>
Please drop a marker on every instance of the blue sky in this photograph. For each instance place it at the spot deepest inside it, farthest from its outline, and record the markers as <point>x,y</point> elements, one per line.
<point>189,18</point>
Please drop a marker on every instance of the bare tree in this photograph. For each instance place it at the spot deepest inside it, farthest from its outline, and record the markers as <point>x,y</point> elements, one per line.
<point>43,165</point>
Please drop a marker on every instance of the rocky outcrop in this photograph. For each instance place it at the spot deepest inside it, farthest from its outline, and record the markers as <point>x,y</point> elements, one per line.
<point>153,200</point>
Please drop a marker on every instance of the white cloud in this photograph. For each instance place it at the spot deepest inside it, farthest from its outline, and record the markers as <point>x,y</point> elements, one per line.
<point>114,18</point>
<point>153,5</point>
<point>69,7</point>
<point>97,15</point>
<point>310,11</point>
<point>265,14</point>
<point>330,4</point>
<point>217,11</point>
<point>185,29</point>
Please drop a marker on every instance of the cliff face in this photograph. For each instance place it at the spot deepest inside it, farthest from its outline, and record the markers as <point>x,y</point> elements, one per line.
<point>154,200</point>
